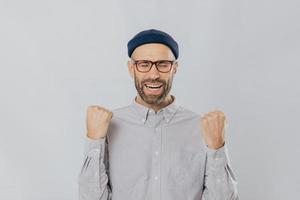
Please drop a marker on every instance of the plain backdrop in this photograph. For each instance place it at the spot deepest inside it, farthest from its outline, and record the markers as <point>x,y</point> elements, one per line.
<point>58,57</point>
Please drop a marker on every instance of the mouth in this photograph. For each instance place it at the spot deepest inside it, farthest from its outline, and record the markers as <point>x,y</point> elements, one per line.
<point>153,88</point>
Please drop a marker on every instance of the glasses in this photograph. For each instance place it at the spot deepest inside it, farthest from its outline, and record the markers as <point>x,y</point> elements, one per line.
<point>163,66</point>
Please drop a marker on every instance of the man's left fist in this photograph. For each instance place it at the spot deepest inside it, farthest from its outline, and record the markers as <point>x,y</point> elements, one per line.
<point>213,128</point>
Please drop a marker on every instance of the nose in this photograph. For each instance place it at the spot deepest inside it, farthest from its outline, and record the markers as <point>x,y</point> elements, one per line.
<point>153,73</point>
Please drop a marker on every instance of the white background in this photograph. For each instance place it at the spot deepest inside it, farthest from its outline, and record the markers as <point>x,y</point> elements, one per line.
<point>59,56</point>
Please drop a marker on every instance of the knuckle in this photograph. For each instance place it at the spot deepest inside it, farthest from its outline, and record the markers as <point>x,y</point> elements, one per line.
<point>89,107</point>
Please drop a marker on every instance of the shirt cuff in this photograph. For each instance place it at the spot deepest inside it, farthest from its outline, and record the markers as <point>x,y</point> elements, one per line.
<point>217,158</point>
<point>93,147</point>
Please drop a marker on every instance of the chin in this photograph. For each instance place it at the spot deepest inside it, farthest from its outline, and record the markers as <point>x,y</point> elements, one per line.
<point>154,100</point>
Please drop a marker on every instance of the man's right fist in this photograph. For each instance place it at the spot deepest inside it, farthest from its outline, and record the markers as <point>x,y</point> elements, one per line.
<point>97,122</point>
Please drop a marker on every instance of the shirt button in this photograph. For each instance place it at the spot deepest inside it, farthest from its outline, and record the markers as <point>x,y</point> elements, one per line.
<point>156,129</point>
<point>155,177</point>
<point>156,153</point>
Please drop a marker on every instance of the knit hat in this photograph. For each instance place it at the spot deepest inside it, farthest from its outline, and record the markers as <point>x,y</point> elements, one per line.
<point>152,36</point>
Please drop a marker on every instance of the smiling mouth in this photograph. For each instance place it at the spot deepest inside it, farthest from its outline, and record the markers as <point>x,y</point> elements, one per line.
<point>153,86</point>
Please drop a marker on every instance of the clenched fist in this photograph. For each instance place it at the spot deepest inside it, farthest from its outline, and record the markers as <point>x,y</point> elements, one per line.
<point>97,121</point>
<point>213,128</point>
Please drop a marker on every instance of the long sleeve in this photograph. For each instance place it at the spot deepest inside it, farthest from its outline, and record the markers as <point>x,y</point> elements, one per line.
<point>219,182</point>
<point>93,179</point>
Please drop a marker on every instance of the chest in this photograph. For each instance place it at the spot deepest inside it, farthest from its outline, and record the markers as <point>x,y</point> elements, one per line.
<point>171,153</point>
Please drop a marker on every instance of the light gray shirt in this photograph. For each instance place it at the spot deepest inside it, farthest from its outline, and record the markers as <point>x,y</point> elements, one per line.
<point>150,155</point>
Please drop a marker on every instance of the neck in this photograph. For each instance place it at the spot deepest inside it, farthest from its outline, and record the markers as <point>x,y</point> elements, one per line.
<point>168,100</point>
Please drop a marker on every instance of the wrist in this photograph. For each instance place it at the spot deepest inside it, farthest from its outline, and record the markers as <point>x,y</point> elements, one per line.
<point>95,137</point>
<point>216,146</point>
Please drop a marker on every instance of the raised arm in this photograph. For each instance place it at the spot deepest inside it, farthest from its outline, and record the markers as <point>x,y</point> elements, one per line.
<point>219,181</point>
<point>93,179</point>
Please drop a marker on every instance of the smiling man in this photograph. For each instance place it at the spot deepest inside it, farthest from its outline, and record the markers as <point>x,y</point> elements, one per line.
<point>153,84</point>
<point>154,149</point>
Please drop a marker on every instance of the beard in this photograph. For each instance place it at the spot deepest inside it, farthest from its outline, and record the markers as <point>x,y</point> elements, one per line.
<point>149,98</point>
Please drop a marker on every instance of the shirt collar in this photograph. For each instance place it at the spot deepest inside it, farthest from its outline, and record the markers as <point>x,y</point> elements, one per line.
<point>143,111</point>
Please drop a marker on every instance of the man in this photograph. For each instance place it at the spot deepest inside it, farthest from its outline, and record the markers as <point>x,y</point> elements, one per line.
<point>154,149</point>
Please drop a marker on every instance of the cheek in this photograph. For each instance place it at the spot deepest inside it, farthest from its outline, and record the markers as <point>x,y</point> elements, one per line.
<point>143,76</point>
<point>139,78</point>
<point>166,77</point>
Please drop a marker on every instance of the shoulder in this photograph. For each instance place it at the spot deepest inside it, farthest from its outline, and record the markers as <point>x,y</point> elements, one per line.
<point>184,114</point>
<point>125,113</point>
<point>121,110</point>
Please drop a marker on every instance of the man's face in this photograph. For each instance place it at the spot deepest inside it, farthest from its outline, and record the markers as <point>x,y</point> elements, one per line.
<point>152,86</point>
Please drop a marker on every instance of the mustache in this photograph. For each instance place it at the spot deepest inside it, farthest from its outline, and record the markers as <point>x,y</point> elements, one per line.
<point>153,81</point>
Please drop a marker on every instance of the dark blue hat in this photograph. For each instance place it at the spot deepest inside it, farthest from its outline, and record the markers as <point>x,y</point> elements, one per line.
<point>153,36</point>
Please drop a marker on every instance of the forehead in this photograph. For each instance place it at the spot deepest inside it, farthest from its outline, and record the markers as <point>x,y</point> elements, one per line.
<point>153,51</point>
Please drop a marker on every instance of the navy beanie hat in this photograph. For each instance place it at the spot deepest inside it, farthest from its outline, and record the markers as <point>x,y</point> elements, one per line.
<point>152,36</point>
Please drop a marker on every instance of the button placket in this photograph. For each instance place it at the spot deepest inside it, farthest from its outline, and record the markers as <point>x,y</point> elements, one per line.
<point>157,130</point>
<point>156,160</point>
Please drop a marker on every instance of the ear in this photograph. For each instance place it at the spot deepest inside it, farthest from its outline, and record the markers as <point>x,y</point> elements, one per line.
<point>175,67</point>
<point>130,68</point>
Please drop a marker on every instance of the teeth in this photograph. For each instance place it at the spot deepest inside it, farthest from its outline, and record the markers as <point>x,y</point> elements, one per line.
<point>153,86</point>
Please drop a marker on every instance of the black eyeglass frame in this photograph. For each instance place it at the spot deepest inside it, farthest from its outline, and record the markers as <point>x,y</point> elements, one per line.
<point>135,62</point>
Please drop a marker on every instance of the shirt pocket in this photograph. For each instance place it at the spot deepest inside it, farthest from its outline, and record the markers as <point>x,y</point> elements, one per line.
<point>186,169</point>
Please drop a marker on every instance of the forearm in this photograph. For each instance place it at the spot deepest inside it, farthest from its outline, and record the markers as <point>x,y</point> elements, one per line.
<point>93,178</point>
<point>220,182</point>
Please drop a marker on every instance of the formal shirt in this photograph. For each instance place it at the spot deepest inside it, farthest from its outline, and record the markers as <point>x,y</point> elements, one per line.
<point>150,155</point>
